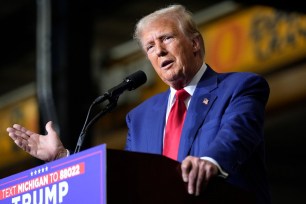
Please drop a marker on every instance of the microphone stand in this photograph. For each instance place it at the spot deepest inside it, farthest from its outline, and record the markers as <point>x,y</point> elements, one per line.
<point>112,104</point>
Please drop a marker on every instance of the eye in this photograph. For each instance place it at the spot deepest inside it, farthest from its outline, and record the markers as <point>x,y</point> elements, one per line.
<point>149,48</point>
<point>167,38</point>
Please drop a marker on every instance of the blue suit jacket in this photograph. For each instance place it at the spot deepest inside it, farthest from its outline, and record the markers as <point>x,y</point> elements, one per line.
<point>229,128</point>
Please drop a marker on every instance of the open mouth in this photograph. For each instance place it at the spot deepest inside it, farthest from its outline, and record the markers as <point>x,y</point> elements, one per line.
<point>166,63</point>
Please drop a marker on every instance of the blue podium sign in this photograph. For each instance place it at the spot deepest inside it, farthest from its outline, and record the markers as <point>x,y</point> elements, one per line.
<point>79,178</point>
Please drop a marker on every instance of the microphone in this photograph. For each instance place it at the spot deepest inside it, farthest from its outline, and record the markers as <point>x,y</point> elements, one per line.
<point>130,83</point>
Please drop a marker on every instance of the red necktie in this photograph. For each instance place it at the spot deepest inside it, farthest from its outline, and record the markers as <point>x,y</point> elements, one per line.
<point>175,124</point>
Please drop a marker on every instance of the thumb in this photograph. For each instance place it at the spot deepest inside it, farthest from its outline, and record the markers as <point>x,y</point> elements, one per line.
<point>49,127</point>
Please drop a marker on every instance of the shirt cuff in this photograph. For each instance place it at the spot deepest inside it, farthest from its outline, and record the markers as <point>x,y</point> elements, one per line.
<point>68,153</point>
<point>222,174</point>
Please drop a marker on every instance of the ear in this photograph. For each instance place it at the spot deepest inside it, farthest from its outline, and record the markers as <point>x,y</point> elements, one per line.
<point>196,44</point>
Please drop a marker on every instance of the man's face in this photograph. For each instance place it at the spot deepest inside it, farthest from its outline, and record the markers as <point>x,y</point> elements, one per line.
<point>170,51</point>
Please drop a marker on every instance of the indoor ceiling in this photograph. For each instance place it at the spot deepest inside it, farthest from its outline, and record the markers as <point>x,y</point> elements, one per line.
<point>114,22</point>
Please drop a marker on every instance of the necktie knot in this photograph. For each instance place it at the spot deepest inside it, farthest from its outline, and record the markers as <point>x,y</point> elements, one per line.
<point>181,95</point>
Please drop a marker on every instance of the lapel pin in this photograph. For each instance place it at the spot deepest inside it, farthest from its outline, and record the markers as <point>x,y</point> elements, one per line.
<point>205,101</point>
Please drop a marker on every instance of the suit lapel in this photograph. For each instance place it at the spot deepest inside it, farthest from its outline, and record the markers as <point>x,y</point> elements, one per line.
<point>199,106</point>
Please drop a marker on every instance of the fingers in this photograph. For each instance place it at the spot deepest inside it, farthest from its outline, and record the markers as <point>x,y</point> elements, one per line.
<point>19,127</point>
<point>23,144</point>
<point>15,134</point>
<point>190,172</point>
<point>211,170</point>
<point>207,170</point>
<point>201,180</point>
<point>185,167</point>
<point>21,136</point>
<point>197,172</point>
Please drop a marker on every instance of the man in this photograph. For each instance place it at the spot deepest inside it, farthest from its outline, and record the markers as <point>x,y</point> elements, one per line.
<point>223,130</point>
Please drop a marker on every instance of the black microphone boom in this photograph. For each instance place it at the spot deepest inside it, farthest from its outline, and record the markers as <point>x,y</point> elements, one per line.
<point>130,83</point>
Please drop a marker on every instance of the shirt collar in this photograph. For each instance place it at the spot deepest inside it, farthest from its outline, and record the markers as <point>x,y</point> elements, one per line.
<point>192,85</point>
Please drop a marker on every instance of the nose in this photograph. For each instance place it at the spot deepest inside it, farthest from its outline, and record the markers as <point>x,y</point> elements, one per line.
<point>160,50</point>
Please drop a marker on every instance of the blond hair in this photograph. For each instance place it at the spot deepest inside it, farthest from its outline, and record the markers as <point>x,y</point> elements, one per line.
<point>177,13</point>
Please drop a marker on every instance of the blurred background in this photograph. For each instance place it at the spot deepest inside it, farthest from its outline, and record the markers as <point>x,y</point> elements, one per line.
<point>57,56</point>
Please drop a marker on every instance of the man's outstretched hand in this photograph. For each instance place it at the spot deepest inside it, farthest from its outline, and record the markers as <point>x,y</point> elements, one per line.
<point>44,147</point>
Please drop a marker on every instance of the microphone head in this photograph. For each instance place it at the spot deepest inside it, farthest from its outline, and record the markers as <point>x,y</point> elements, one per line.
<point>136,79</point>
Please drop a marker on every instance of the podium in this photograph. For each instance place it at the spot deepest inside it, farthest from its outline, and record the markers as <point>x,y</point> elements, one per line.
<point>142,178</point>
<point>100,175</point>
